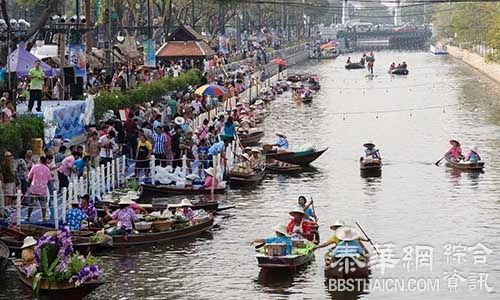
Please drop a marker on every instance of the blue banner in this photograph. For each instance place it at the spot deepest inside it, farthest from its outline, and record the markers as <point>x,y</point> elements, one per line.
<point>149,53</point>
<point>78,60</point>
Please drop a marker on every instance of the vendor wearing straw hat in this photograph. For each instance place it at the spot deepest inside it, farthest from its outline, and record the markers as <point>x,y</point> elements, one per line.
<point>75,216</point>
<point>28,251</point>
<point>184,209</point>
<point>455,151</point>
<point>282,142</point>
<point>298,226</point>
<point>332,240</point>
<point>280,238</point>
<point>210,180</point>
<point>124,217</point>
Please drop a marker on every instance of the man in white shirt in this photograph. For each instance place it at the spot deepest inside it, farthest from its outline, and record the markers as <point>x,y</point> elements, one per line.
<point>107,147</point>
<point>196,105</point>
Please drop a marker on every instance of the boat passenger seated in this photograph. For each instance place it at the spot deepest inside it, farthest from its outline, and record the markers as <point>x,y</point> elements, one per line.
<point>370,151</point>
<point>184,209</point>
<point>348,244</point>
<point>210,180</point>
<point>392,66</point>
<point>280,238</point>
<point>455,152</point>
<point>348,60</point>
<point>75,216</point>
<point>28,252</point>
<point>124,217</point>
<point>282,142</point>
<point>473,156</point>
<point>299,227</point>
<point>404,65</point>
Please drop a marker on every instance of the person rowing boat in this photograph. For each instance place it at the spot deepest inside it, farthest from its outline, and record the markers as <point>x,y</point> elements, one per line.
<point>280,238</point>
<point>455,152</point>
<point>310,214</point>
<point>282,142</point>
<point>370,151</point>
<point>333,240</point>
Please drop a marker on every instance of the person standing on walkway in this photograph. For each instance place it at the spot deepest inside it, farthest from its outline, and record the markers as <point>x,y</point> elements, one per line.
<point>107,146</point>
<point>64,171</point>
<point>39,176</point>
<point>36,77</point>
<point>159,146</point>
<point>8,178</point>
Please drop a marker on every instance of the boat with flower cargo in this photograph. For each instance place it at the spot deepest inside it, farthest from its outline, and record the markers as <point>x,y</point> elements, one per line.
<point>50,266</point>
<point>163,230</point>
<point>83,241</point>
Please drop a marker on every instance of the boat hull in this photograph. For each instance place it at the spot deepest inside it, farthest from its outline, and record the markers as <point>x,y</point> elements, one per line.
<point>283,262</point>
<point>276,167</point>
<point>297,158</point>
<point>251,139</point>
<point>158,237</point>
<point>150,191</point>
<point>370,165</point>
<point>473,167</point>
<point>400,71</point>
<point>62,290</point>
<point>4,257</point>
<point>336,272</point>
<point>354,66</point>
<point>235,180</point>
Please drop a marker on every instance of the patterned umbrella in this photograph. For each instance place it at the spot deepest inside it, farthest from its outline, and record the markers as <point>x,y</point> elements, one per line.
<point>213,90</point>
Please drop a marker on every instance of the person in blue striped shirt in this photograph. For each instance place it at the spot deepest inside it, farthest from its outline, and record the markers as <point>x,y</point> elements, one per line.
<point>159,145</point>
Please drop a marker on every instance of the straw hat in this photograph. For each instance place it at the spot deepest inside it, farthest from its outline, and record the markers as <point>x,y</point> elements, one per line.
<point>280,134</point>
<point>337,224</point>
<point>453,142</point>
<point>281,229</point>
<point>184,203</point>
<point>248,148</point>
<point>245,156</point>
<point>132,195</point>
<point>368,144</point>
<point>239,104</point>
<point>346,234</point>
<point>125,200</point>
<point>179,120</point>
<point>28,242</point>
<point>209,171</point>
<point>298,209</point>
<point>474,148</point>
<point>256,149</point>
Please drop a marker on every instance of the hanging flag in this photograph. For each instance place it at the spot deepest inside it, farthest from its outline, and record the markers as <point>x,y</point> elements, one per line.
<point>78,60</point>
<point>149,53</point>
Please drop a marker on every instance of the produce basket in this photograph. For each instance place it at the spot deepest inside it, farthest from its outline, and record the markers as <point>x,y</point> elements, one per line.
<point>275,249</point>
<point>143,226</point>
<point>162,225</point>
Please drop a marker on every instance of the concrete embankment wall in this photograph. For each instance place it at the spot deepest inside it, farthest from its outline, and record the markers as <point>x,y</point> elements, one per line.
<point>476,61</point>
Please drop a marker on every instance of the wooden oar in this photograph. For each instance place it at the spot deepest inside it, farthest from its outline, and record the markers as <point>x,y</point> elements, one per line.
<point>437,163</point>
<point>368,238</point>
<point>259,246</point>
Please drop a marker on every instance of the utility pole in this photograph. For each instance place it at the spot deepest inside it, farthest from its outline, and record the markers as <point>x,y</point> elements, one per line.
<point>192,14</point>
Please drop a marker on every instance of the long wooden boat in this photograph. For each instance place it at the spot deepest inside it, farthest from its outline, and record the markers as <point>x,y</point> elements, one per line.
<point>14,236</point>
<point>333,265</point>
<point>61,290</point>
<point>465,166</point>
<point>162,203</point>
<point>302,158</point>
<point>353,66</point>
<point>158,237</point>
<point>237,179</point>
<point>4,257</point>
<point>367,165</point>
<point>399,71</point>
<point>150,191</point>
<point>251,139</point>
<point>282,167</point>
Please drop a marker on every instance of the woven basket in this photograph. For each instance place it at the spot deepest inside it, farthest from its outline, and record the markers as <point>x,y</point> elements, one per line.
<point>158,226</point>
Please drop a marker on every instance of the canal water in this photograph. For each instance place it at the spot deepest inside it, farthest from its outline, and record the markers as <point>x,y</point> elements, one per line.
<point>414,205</point>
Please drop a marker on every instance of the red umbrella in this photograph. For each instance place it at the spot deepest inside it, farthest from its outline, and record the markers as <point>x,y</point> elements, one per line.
<point>279,62</point>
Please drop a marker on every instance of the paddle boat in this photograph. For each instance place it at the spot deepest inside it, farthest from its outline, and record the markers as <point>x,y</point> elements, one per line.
<point>301,158</point>
<point>246,179</point>
<point>399,71</point>
<point>353,66</point>
<point>464,165</point>
<point>251,138</point>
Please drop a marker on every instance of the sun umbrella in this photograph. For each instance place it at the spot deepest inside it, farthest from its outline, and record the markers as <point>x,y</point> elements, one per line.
<point>279,62</point>
<point>213,90</point>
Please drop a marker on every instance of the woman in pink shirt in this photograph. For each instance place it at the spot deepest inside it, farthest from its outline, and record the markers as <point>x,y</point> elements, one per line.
<point>65,169</point>
<point>39,177</point>
<point>455,152</point>
<point>210,181</point>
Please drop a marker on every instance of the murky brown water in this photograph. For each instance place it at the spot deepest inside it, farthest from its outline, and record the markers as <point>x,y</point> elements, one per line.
<point>413,203</point>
